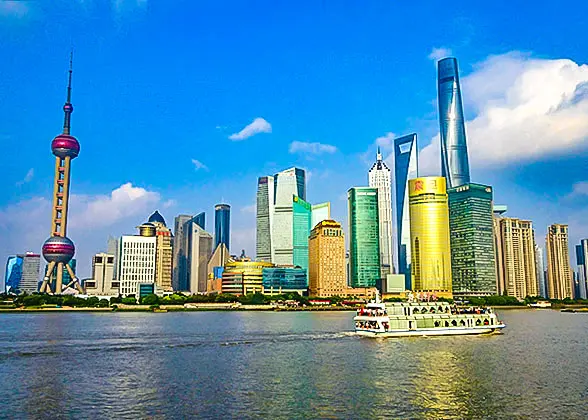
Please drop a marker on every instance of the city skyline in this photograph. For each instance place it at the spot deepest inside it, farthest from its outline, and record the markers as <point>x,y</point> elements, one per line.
<point>333,145</point>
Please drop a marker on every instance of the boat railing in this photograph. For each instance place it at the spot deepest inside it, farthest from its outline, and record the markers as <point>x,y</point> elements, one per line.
<point>371,312</point>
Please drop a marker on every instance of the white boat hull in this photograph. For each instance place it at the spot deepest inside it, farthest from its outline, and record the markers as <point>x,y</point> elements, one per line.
<point>431,332</point>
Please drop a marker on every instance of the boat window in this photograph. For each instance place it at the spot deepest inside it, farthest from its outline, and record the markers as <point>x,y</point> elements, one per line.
<point>486,322</point>
<point>436,323</point>
<point>462,323</point>
<point>454,323</point>
<point>432,310</point>
<point>478,322</point>
<point>447,323</point>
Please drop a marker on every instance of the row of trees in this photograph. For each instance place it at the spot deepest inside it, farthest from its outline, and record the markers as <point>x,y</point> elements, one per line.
<point>37,300</point>
<point>250,299</point>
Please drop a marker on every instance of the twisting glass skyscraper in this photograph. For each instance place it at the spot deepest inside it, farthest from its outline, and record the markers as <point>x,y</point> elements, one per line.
<point>455,166</point>
<point>405,168</point>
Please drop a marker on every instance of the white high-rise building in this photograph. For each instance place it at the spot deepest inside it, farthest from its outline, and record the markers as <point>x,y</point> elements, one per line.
<point>102,282</point>
<point>287,185</point>
<point>199,250</point>
<point>379,177</point>
<point>136,262</point>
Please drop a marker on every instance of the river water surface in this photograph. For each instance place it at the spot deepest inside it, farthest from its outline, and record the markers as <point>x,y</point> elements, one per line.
<point>286,365</point>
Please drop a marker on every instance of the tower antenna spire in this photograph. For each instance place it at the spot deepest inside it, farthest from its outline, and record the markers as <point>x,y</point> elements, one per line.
<point>68,107</point>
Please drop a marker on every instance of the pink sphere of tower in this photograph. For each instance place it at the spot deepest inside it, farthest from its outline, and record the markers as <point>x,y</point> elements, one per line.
<point>65,145</point>
<point>58,249</point>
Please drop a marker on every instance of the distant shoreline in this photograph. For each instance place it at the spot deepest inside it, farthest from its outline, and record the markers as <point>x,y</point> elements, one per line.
<point>236,308</point>
<point>145,308</point>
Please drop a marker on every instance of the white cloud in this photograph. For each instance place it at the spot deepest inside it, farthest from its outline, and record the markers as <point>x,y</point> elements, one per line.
<point>311,148</point>
<point>105,210</point>
<point>386,142</point>
<point>526,109</point>
<point>579,189</point>
<point>258,125</point>
<point>14,9</point>
<point>243,239</point>
<point>24,225</point>
<point>126,6</point>
<point>169,203</point>
<point>437,54</point>
<point>249,209</point>
<point>199,165</point>
<point>28,177</point>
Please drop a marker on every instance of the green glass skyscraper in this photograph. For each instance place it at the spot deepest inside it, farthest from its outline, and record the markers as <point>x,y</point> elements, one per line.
<point>472,240</point>
<point>364,236</point>
<point>301,226</point>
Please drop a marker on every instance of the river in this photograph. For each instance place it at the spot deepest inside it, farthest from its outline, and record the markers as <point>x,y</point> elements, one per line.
<point>286,365</point>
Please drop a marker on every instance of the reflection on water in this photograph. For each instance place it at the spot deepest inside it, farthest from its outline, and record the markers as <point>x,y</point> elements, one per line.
<point>440,384</point>
<point>286,365</point>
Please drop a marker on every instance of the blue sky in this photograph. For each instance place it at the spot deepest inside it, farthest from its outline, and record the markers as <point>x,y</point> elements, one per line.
<point>160,86</point>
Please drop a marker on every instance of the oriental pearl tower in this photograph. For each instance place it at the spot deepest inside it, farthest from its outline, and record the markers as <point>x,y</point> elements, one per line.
<point>58,250</point>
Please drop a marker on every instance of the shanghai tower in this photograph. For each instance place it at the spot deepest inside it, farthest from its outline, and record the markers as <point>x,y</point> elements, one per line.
<point>454,150</point>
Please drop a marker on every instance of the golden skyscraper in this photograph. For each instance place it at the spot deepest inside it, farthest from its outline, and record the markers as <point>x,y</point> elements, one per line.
<point>559,274</point>
<point>326,260</point>
<point>516,271</point>
<point>429,236</point>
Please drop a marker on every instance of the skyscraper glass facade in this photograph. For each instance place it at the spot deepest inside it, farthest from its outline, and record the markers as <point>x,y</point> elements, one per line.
<point>264,216</point>
<point>180,252</point>
<point>429,232</point>
<point>581,258</point>
<point>66,277</point>
<point>200,220</point>
<point>364,237</point>
<point>31,266</point>
<point>222,225</point>
<point>454,152</point>
<point>580,292</point>
<point>285,278</point>
<point>540,270</point>
<point>405,168</point>
<point>287,184</point>
<point>473,262</point>
<point>13,274</point>
<point>301,226</point>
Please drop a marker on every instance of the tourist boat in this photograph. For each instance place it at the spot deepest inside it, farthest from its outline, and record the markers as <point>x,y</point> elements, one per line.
<point>541,304</point>
<point>423,318</point>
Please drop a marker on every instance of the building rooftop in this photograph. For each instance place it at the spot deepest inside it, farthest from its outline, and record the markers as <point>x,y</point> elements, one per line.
<point>156,218</point>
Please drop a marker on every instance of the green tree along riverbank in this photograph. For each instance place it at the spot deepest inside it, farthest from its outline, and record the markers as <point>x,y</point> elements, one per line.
<point>37,300</point>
